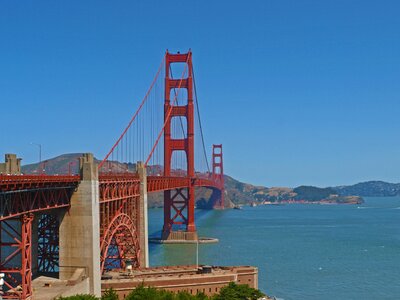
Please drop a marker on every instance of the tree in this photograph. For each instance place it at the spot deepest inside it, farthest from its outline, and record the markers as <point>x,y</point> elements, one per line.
<point>238,292</point>
<point>149,293</point>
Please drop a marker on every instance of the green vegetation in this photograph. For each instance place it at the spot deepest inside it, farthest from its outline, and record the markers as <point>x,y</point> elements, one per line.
<point>231,292</point>
<point>79,297</point>
<point>151,293</point>
<point>238,291</point>
<point>109,294</point>
<point>370,189</point>
<point>312,193</point>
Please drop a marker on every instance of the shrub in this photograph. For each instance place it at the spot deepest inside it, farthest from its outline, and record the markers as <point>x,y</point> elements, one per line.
<point>231,292</point>
<point>79,297</point>
<point>184,296</point>
<point>109,294</point>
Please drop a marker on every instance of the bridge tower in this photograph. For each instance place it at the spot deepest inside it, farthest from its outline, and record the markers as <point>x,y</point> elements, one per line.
<point>218,175</point>
<point>182,200</point>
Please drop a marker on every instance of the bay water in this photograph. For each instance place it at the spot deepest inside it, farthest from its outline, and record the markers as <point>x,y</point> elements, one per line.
<point>302,251</point>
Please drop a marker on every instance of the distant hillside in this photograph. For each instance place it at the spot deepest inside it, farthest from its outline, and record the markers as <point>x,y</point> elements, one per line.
<point>58,165</point>
<point>242,193</point>
<point>312,193</point>
<point>370,189</point>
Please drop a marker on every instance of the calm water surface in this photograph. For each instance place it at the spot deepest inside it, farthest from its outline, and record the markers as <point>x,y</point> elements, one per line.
<point>302,251</point>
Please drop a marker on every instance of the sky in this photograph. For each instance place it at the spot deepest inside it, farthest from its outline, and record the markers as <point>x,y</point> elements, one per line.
<point>298,92</point>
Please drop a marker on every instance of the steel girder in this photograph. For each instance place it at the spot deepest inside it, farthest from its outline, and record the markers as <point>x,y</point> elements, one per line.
<point>28,193</point>
<point>163,183</point>
<point>48,243</point>
<point>27,182</point>
<point>16,256</point>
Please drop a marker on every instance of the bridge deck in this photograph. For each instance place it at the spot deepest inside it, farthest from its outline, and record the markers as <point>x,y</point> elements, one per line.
<point>21,194</point>
<point>28,182</point>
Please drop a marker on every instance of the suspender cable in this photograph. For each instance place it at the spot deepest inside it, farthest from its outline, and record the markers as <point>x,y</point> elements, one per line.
<point>198,115</point>
<point>135,115</point>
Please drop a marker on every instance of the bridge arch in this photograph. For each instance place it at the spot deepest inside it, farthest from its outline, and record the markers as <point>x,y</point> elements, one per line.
<point>119,242</point>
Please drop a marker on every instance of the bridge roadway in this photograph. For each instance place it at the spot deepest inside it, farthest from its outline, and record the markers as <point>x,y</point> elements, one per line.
<point>21,194</point>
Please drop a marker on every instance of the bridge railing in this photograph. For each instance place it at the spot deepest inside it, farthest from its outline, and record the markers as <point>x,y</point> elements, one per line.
<point>17,182</point>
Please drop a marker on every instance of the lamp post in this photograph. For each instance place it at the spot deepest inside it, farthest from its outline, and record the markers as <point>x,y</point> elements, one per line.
<point>128,266</point>
<point>40,151</point>
<point>197,254</point>
<point>40,155</point>
<point>70,164</point>
<point>43,171</point>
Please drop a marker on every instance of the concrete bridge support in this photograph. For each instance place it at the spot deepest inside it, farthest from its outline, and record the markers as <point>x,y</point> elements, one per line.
<point>12,165</point>
<point>80,229</point>
<point>143,222</point>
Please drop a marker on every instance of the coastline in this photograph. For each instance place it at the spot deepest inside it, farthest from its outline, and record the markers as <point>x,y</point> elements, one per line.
<point>353,201</point>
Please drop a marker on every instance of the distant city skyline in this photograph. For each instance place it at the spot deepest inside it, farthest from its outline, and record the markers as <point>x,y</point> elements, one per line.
<point>298,92</point>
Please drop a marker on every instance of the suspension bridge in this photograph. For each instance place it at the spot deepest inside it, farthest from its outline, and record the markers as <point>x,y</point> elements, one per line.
<point>97,220</point>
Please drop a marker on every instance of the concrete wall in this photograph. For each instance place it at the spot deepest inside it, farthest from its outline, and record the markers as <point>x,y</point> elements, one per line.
<point>179,278</point>
<point>82,287</point>
<point>247,275</point>
<point>80,228</point>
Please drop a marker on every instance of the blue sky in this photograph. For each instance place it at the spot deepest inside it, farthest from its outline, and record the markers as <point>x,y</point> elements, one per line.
<point>298,92</point>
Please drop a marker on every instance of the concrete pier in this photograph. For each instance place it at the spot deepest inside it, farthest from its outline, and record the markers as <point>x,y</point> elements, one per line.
<point>80,229</point>
<point>12,165</point>
<point>143,222</point>
<point>183,236</point>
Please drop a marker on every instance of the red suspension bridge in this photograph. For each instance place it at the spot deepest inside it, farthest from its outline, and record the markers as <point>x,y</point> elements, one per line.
<point>97,220</point>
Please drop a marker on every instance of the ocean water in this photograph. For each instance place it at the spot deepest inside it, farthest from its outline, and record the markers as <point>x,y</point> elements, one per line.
<point>302,251</point>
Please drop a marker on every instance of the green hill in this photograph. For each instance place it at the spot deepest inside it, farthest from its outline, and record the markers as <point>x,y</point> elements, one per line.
<point>370,189</point>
